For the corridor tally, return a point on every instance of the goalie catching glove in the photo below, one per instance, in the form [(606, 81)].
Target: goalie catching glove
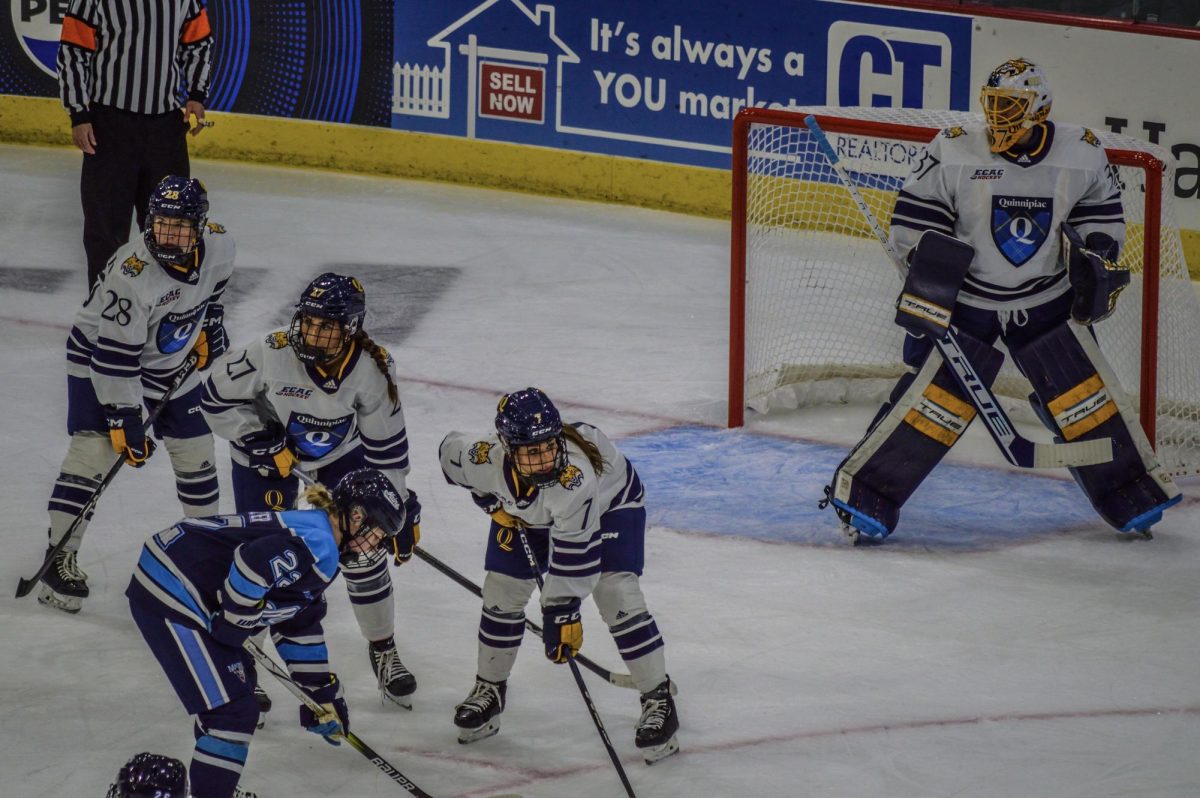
[(1094, 274), (127, 433), (334, 722), (562, 631)]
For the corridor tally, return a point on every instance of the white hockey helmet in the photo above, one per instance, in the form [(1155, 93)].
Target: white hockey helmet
[(1015, 97)]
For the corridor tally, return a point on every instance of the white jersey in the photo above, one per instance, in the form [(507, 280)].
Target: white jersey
[(142, 319), (325, 416), (570, 508), (1010, 207)]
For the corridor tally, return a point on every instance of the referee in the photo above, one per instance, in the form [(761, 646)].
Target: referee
[(122, 65)]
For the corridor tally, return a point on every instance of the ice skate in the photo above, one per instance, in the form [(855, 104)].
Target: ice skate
[(478, 716), (64, 587), (657, 727), (396, 682), (264, 705)]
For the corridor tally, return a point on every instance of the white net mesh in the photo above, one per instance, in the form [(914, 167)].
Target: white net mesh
[(820, 290)]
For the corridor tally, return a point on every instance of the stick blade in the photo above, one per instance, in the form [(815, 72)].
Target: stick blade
[(25, 587), (1072, 455)]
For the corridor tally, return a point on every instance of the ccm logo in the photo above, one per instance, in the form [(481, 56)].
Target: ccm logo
[(887, 67)]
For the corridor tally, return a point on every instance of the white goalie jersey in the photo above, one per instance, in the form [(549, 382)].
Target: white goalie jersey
[(325, 416), (570, 509), (141, 320), (1010, 208)]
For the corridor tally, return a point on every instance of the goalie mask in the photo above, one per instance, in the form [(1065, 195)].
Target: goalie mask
[(1015, 98), (175, 216), (369, 499), (329, 314), (531, 432), (150, 776)]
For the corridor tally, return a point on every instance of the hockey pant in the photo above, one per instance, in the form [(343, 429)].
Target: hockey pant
[(622, 606), (1078, 397), (925, 416), (90, 456), (215, 684)]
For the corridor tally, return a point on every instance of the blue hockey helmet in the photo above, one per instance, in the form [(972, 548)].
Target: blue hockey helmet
[(333, 297), (526, 418), (175, 218), (380, 502), (149, 775)]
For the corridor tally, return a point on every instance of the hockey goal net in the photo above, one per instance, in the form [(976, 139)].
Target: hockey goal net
[(812, 291)]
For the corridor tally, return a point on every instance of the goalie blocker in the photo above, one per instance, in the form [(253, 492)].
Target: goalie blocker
[(1076, 395)]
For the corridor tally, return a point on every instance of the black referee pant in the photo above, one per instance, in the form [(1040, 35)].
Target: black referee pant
[(133, 153)]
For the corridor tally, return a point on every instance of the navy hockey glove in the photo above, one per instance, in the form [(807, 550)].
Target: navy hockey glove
[(268, 452), (410, 534), (492, 505), (212, 342), (334, 722), (562, 631), (127, 433)]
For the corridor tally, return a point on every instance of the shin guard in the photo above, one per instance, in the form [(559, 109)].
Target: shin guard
[(1077, 390), (924, 417)]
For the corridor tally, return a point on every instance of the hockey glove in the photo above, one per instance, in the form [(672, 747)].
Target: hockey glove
[(410, 534), (127, 434), (562, 631), (334, 722), (213, 341), (492, 505), (268, 453)]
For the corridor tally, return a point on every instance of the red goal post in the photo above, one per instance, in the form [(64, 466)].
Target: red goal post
[(800, 252)]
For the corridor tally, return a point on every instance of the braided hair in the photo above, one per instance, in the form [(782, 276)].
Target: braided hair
[(379, 355)]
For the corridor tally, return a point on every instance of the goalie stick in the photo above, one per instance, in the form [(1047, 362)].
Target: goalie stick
[(587, 697), (24, 586), (1017, 449)]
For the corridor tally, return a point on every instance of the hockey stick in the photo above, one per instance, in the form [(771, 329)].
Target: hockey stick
[(1017, 449), (587, 697), (618, 679), (24, 586), (295, 689)]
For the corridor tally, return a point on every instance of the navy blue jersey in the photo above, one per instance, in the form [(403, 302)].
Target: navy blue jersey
[(232, 575)]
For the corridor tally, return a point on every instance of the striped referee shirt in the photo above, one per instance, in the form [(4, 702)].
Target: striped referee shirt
[(135, 55)]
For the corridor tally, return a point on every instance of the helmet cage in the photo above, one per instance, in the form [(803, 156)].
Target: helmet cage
[(528, 418), (334, 297), (1014, 99), (367, 492), (177, 208), (319, 352)]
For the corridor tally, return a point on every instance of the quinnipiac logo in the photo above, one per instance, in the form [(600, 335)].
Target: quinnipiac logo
[(38, 25)]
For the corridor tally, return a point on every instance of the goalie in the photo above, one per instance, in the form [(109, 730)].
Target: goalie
[(1011, 231)]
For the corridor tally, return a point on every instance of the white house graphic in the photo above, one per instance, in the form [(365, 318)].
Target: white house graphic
[(506, 78)]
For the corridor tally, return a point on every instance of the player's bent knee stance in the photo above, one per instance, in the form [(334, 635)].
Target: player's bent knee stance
[(1079, 398), (924, 417)]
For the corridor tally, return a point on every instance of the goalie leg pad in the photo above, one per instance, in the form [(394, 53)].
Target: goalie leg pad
[(1077, 391), (926, 415), (938, 265)]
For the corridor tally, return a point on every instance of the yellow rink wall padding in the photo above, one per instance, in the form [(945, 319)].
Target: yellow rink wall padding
[(382, 151)]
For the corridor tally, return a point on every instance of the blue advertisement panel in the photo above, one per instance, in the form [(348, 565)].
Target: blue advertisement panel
[(660, 80)]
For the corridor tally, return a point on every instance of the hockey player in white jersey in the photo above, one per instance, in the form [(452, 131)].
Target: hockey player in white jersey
[(582, 507), (1011, 231), (321, 396), (157, 302)]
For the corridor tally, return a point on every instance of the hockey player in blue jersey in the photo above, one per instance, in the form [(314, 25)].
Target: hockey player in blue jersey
[(1011, 231), (204, 585), (157, 302), (582, 506), (321, 395), (149, 775)]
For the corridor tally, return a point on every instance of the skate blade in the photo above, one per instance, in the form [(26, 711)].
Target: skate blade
[(262, 720), (660, 752), (402, 701), (68, 604), (483, 732)]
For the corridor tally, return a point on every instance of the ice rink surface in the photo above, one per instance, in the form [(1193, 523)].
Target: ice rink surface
[(1003, 643)]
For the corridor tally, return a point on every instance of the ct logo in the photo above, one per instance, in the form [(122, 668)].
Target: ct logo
[(38, 25), (888, 67)]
